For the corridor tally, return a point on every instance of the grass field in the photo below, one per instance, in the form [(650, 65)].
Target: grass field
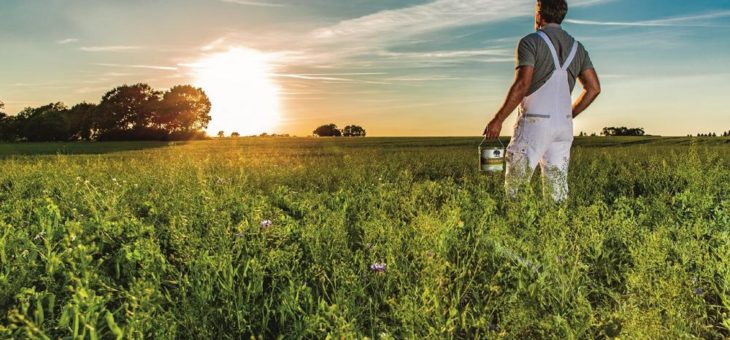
[(158, 240)]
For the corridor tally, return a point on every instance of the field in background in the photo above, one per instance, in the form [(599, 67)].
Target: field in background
[(166, 240)]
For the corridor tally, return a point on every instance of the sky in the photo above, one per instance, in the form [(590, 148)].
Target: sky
[(395, 67)]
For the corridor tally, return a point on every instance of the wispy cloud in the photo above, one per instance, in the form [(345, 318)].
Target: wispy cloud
[(67, 41), (306, 77), (109, 48), (432, 16), (700, 20), (254, 3), (450, 54), (376, 35), (148, 67), (87, 90)]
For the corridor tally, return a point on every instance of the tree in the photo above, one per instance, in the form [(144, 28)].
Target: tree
[(80, 120), (7, 130), (126, 108), (623, 131), (46, 123), (329, 130), (235, 135), (183, 108), (221, 134), (354, 131)]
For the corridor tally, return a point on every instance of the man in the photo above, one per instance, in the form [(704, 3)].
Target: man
[(548, 63)]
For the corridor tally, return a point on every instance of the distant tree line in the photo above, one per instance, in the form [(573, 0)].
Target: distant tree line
[(623, 131), (222, 134), (331, 130), (712, 134), (128, 112)]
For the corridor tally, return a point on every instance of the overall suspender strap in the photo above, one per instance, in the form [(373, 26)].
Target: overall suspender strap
[(573, 52), (556, 60)]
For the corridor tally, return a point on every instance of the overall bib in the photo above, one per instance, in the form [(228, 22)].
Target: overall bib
[(544, 133)]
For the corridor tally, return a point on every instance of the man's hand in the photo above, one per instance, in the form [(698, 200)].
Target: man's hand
[(494, 128)]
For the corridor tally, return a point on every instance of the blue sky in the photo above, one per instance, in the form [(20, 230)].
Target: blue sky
[(438, 67)]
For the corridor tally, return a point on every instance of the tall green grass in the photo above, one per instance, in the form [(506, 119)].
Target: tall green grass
[(168, 243)]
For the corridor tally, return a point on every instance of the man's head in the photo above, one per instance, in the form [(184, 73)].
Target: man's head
[(550, 12)]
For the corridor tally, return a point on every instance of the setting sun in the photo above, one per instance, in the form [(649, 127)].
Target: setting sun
[(244, 97)]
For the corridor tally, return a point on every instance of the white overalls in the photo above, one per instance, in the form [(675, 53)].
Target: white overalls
[(544, 133)]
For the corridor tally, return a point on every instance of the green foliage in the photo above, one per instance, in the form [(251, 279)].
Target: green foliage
[(622, 131), (184, 108), (128, 112), (168, 242), (45, 123), (329, 130), (354, 131)]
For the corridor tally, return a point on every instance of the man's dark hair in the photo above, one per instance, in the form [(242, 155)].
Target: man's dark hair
[(553, 11)]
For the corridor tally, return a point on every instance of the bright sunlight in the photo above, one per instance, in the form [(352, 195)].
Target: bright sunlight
[(244, 98)]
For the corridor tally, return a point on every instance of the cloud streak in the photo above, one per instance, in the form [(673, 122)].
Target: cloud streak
[(685, 21), (433, 16), (253, 3), (67, 41), (109, 48), (147, 67)]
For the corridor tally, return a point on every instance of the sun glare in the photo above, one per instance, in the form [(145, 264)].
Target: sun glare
[(244, 97)]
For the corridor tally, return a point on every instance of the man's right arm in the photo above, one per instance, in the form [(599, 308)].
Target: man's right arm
[(591, 90)]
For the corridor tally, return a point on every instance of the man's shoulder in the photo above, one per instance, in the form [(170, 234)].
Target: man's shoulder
[(530, 38), (530, 41)]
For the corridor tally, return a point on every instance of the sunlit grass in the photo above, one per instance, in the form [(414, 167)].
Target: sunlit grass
[(377, 238)]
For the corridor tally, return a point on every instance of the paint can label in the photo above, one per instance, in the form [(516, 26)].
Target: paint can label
[(491, 159)]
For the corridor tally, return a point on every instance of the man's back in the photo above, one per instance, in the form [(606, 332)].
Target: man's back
[(548, 64), (533, 51)]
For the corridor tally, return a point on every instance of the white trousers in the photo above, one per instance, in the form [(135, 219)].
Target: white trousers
[(543, 141)]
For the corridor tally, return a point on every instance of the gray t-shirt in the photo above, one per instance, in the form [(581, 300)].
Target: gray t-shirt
[(534, 51)]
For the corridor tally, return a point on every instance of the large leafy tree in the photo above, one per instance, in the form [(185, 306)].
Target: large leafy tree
[(80, 119), (623, 131), (45, 123), (183, 108), (354, 131), (329, 130), (127, 107)]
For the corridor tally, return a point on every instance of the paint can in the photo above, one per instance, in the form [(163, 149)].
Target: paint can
[(492, 157)]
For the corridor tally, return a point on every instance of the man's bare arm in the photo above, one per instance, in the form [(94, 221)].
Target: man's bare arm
[(518, 91), (591, 90)]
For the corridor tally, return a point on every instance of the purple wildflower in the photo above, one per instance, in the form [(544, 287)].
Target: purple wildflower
[(378, 267), (699, 291)]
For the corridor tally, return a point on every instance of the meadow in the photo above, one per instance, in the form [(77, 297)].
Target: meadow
[(380, 238)]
